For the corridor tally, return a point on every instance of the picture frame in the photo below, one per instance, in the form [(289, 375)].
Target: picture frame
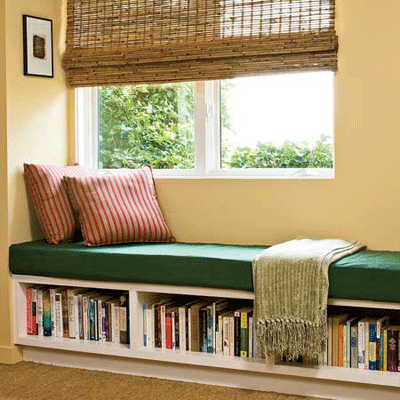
[(38, 46)]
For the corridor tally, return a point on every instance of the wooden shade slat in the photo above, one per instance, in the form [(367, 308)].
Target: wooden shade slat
[(147, 41)]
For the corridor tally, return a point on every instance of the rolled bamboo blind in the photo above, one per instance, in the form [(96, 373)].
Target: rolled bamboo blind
[(116, 42)]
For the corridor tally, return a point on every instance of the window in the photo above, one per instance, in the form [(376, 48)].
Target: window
[(277, 125)]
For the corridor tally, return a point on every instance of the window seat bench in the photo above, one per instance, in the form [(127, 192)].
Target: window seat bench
[(366, 275), (152, 272)]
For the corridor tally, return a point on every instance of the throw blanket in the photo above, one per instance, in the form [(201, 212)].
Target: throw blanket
[(291, 294)]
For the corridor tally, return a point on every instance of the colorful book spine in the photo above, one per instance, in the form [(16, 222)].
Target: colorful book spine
[(173, 330), (250, 337), (39, 312), (361, 348), (177, 329), (354, 346), (366, 344), (163, 327), (244, 334), (58, 314), (64, 301), (145, 343), (150, 329), (76, 317), (115, 322), (29, 323), (85, 306), (71, 314), (372, 345), (232, 336), (182, 328), (392, 349), (46, 313), (340, 346), (53, 311), (203, 330), (123, 320), (168, 329), (92, 330), (210, 329), (237, 333), (225, 334), (34, 308), (385, 353)]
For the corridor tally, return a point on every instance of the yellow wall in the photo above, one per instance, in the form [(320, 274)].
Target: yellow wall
[(363, 201), (38, 119)]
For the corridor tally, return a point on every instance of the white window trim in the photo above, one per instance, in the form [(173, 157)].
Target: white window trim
[(207, 141)]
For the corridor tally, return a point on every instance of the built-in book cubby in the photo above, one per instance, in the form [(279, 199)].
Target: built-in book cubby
[(142, 301)]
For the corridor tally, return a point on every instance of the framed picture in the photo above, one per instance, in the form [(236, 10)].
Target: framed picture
[(38, 46)]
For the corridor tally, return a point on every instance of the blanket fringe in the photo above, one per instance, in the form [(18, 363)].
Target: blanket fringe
[(286, 337)]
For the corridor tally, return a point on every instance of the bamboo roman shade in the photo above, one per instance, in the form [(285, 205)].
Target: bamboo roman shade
[(111, 42)]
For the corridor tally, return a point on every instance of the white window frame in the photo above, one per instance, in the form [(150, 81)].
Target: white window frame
[(207, 141)]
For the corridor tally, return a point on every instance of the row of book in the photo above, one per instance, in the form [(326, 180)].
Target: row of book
[(365, 343), (77, 313), (217, 327)]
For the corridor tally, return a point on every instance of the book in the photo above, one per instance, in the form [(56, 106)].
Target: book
[(337, 339), (244, 331), (354, 344), (195, 324), (232, 343), (182, 327), (145, 334), (203, 330), (372, 345), (380, 324), (150, 328), (366, 343), (168, 328), (173, 339), (251, 337), (236, 316), (226, 345), (53, 292), (349, 324), (361, 344), (210, 323), (92, 310), (64, 307), (123, 319), (39, 312), (115, 321), (176, 327), (58, 325), (34, 305), (219, 307), (341, 352), (392, 348), (29, 324), (71, 312), (46, 313), (385, 353)]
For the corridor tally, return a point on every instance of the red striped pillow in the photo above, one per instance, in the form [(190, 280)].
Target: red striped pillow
[(50, 200), (118, 208)]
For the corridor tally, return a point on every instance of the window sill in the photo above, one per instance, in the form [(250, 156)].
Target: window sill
[(284, 174)]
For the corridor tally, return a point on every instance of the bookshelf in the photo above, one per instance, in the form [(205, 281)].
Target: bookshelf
[(323, 381)]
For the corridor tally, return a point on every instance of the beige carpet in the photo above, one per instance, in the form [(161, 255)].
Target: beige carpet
[(37, 381)]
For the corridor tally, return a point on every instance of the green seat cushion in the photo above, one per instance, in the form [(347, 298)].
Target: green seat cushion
[(205, 265), (366, 275)]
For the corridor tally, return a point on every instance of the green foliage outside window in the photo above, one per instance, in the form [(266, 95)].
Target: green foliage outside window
[(155, 125)]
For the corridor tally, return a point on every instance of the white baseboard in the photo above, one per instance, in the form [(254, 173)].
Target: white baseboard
[(10, 354), (213, 376)]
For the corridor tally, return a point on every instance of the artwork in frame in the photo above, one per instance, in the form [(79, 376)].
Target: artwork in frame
[(38, 46)]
